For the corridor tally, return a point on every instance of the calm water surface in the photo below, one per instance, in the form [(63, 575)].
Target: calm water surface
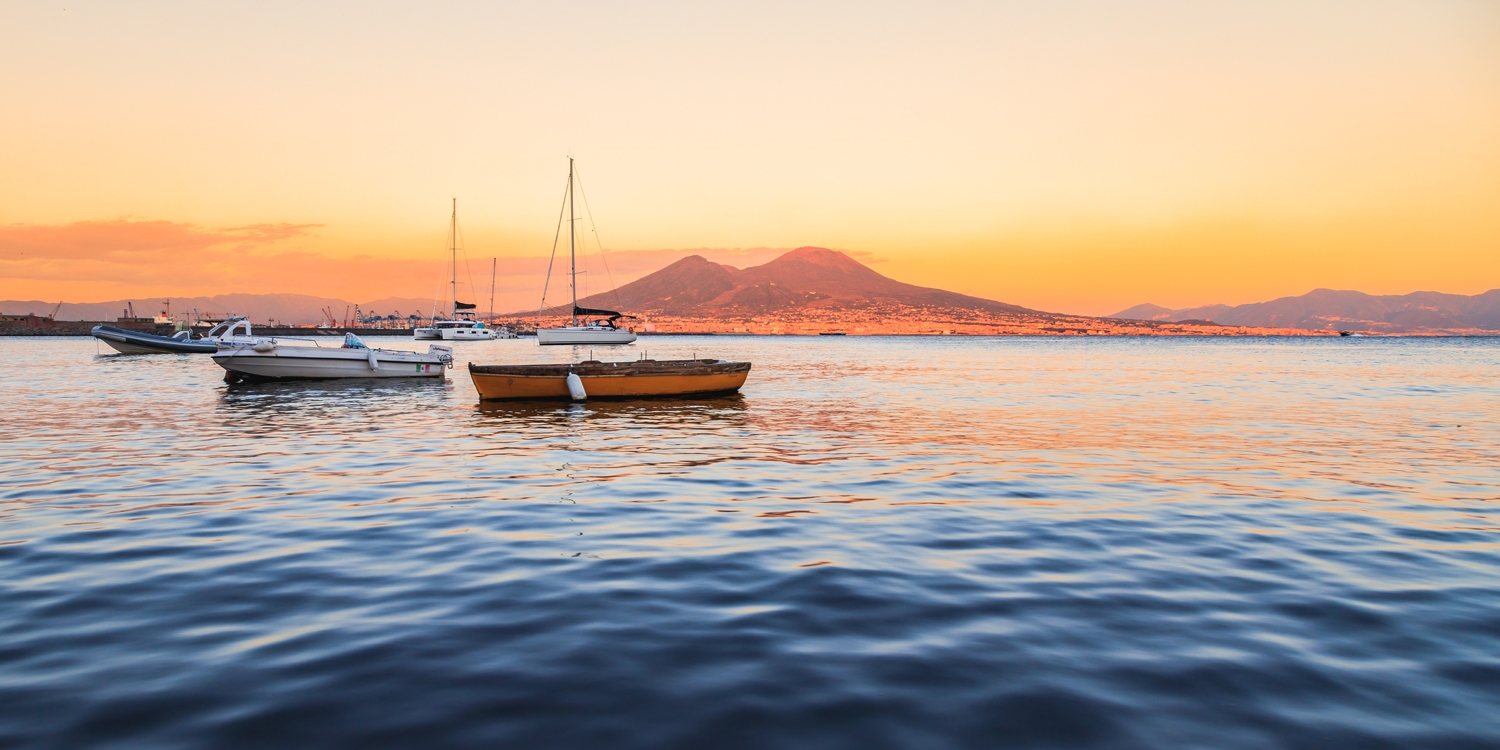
[(884, 542)]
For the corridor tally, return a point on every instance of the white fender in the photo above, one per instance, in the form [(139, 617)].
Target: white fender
[(264, 346), (371, 359), (575, 387)]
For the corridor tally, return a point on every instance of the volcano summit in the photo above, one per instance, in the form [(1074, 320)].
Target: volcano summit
[(808, 278)]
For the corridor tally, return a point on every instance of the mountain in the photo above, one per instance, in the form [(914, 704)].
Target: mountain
[(1157, 312), (292, 309), (1146, 311), (1330, 309), (806, 278)]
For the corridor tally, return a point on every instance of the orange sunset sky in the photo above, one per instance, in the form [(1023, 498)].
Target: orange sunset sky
[(1070, 156)]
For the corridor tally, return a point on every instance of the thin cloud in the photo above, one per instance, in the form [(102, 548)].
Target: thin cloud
[(133, 242), (265, 234), (131, 257)]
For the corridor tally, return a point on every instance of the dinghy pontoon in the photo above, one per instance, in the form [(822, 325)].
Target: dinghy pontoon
[(127, 341)]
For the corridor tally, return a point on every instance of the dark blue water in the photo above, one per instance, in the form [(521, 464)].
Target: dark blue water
[(884, 542)]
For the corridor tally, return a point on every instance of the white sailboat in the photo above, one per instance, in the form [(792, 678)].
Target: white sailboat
[(600, 330), (461, 326)]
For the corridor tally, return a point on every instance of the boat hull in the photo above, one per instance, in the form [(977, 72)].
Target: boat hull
[(456, 334), (135, 342), (308, 363), (583, 335), (644, 379)]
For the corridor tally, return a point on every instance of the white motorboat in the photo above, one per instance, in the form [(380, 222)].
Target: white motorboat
[(461, 329), (270, 359), (462, 326), (596, 332)]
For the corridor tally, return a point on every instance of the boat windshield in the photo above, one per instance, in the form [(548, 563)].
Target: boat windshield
[(353, 342), (227, 328)]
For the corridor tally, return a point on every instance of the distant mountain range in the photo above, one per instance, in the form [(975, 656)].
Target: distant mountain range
[(290, 309), (1330, 309), (818, 281), (812, 278)]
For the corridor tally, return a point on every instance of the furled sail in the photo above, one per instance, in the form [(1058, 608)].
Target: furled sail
[(611, 314), (463, 305)]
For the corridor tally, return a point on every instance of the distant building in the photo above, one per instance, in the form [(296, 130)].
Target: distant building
[(29, 320)]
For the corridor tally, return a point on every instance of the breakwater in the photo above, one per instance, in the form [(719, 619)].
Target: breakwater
[(288, 331), (83, 327)]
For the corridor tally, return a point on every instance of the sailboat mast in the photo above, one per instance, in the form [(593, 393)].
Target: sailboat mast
[(453, 247), (493, 263), (572, 253)]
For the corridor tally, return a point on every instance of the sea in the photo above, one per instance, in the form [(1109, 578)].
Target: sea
[(882, 542)]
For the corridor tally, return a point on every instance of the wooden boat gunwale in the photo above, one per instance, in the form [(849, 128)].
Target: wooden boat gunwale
[(606, 380)]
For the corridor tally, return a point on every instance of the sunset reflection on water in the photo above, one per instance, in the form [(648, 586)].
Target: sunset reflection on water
[(950, 541)]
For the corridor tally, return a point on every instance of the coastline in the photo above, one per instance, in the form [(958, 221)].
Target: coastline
[(70, 331), (855, 323)]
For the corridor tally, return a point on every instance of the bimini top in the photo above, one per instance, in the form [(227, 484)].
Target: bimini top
[(613, 315)]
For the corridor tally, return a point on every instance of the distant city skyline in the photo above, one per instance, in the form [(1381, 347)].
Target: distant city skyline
[(1074, 157), (815, 290)]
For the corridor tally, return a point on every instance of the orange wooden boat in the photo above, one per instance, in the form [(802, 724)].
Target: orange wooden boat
[(643, 378)]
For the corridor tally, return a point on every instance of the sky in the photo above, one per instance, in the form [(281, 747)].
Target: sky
[(1076, 157)]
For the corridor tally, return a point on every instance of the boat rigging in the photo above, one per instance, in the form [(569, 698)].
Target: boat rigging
[(461, 326), (599, 331)]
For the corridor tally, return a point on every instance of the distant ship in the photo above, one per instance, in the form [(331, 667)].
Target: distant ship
[(601, 330)]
